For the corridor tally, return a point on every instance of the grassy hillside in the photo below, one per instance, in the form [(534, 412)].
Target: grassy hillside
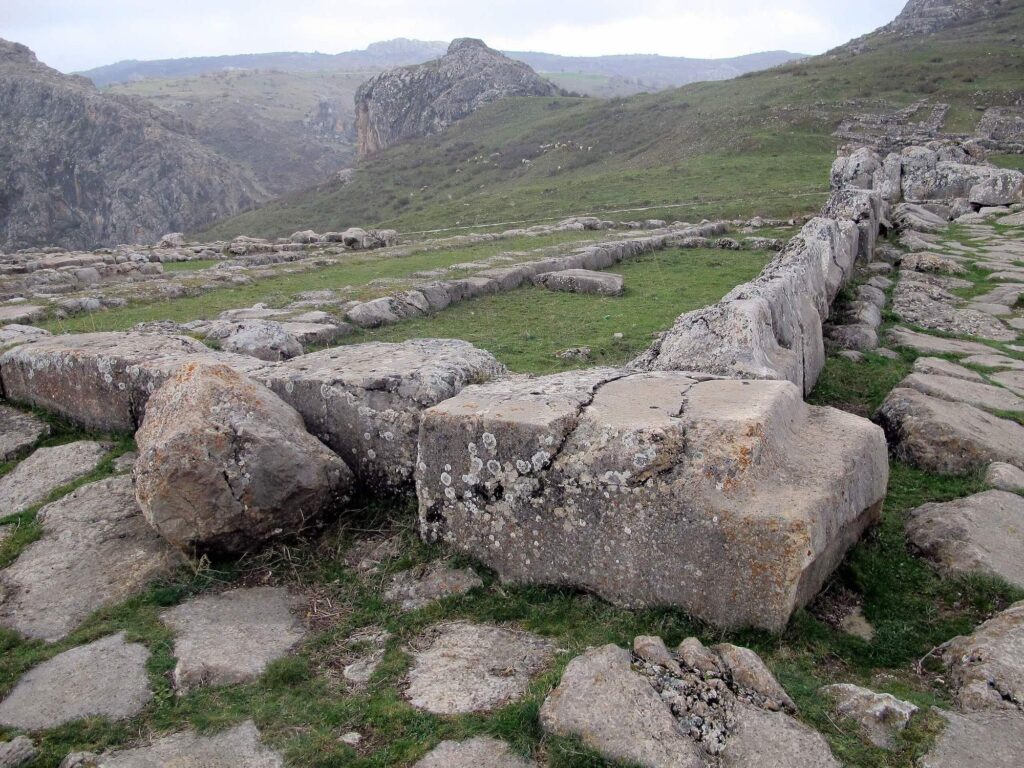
[(761, 143)]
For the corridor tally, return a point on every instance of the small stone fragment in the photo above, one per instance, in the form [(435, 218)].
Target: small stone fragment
[(878, 714), (750, 672), (652, 650), (695, 655), (423, 585)]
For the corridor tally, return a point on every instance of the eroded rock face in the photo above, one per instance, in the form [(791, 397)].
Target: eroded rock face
[(987, 666), (106, 678), (462, 667), (365, 400), (96, 550), (224, 464), (922, 16), (652, 489), (420, 100)]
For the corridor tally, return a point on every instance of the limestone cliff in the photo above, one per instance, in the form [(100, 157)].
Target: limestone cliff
[(80, 169), (409, 102), (924, 16)]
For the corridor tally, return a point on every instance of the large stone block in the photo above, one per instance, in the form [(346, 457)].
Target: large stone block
[(365, 400), (101, 380), (731, 499)]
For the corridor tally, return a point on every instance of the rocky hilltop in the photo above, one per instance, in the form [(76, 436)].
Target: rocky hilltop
[(421, 100), (79, 168), (924, 16)]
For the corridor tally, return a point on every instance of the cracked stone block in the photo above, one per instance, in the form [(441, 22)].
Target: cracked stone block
[(101, 380), (478, 752), (462, 667), (583, 281), (45, 471), (96, 550), (19, 431), (365, 400), (418, 587), (106, 678), (237, 747), (987, 666), (231, 637), (990, 739), (983, 533), (731, 499), (879, 715), (946, 437)]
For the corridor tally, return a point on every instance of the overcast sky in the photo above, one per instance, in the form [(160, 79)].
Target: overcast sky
[(80, 34)]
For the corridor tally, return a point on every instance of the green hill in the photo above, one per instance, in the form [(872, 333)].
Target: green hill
[(759, 144)]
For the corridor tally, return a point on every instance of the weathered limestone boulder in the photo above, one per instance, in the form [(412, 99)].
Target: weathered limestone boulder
[(879, 715), (991, 739), (262, 339), (101, 380), (946, 437), (582, 281), (983, 533), (652, 489), (987, 666), (426, 584), (1005, 477), (106, 678), (999, 189), (230, 638), (365, 400), (19, 431), (237, 747), (478, 752), (47, 470), (461, 667), (224, 464), (917, 219), (96, 550)]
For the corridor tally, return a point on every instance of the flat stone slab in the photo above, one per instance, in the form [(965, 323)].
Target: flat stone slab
[(106, 678), (421, 586), (987, 666), (238, 747), (652, 489), (96, 550), (1005, 477), (583, 281), (932, 345), (945, 437), (22, 314), (1012, 380), (45, 471), (959, 390), (461, 667), (879, 715), (19, 431), (230, 638), (989, 739), (922, 303), (983, 533), (936, 366), (479, 752), (365, 400), (995, 361)]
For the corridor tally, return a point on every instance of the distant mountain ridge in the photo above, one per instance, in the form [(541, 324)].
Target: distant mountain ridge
[(654, 71)]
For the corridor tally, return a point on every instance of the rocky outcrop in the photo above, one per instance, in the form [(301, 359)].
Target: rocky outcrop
[(224, 464), (421, 100), (924, 16), (82, 168)]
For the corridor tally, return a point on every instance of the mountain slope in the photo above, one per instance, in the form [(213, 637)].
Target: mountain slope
[(81, 169), (743, 146)]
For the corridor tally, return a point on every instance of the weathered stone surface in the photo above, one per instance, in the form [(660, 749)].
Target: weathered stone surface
[(922, 261), (19, 431), (774, 740), (106, 678), (421, 586), (856, 337), (945, 437), (1004, 477), (13, 333), (652, 489), (987, 666), (478, 752), (930, 306), (262, 339), (45, 471), (959, 390), (365, 400), (231, 637), (991, 739), (17, 752), (983, 533), (583, 281), (879, 715), (1012, 380), (101, 380), (96, 550), (931, 345), (748, 671), (224, 464), (462, 667), (238, 747), (601, 701), (936, 366)]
